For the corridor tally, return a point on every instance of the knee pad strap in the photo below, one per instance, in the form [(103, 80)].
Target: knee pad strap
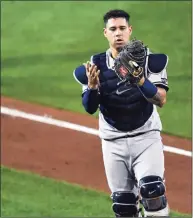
[(154, 204)]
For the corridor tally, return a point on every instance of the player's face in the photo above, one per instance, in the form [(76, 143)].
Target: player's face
[(117, 32)]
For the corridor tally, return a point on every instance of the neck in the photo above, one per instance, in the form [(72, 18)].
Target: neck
[(114, 52)]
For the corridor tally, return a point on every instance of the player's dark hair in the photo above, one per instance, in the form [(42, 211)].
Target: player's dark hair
[(116, 14)]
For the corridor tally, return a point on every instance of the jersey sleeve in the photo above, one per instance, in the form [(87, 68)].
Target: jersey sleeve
[(90, 97), (160, 79), (84, 88), (157, 69)]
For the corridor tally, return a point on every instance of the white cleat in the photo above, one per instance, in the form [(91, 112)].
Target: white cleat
[(164, 212)]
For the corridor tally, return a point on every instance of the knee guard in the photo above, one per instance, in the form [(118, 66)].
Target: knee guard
[(125, 204), (152, 192)]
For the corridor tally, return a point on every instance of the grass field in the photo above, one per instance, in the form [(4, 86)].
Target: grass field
[(21, 197), (42, 43)]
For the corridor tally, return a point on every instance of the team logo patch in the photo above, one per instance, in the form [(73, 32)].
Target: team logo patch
[(123, 71), (164, 80)]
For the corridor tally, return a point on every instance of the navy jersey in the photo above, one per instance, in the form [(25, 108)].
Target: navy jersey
[(121, 105)]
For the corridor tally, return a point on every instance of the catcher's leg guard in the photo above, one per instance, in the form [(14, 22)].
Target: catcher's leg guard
[(152, 192), (125, 204)]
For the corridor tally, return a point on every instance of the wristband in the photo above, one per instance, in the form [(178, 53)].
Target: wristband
[(92, 88), (148, 89)]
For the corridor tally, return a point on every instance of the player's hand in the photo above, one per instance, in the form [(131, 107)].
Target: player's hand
[(93, 75)]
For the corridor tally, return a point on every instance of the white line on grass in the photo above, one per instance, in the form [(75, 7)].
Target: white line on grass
[(64, 124)]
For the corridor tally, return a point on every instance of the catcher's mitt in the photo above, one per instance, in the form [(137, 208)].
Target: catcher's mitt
[(129, 64)]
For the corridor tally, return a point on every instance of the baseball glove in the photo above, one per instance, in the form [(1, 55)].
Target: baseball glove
[(130, 62)]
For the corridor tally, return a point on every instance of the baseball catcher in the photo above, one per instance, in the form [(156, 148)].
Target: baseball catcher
[(125, 83)]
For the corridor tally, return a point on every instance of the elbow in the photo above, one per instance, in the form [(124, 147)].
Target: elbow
[(89, 110), (162, 103)]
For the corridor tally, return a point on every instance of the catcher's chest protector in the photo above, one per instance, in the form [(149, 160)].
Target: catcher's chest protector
[(123, 106)]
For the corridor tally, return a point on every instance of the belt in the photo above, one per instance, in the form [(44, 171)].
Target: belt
[(131, 136)]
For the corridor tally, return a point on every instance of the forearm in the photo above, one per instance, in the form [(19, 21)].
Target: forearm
[(90, 100), (153, 94), (157, 99)]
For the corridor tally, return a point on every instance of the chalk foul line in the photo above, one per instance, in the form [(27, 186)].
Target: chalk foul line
[(72, 126)]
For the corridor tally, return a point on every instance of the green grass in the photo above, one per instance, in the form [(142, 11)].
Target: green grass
[(42, 43), (25, 194)]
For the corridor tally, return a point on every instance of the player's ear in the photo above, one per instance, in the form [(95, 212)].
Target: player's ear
[(105, 32), (130, 30)]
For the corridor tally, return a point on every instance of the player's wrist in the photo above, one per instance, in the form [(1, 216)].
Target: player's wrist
[(92, 86), (148, 89), (141, 81)]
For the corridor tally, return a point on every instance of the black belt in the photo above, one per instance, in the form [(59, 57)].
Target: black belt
[(131, 136)]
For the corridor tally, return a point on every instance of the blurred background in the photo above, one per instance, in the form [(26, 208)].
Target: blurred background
[(42, 42)]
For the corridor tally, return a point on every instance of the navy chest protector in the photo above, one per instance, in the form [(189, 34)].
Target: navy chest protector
[(123, 106)]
